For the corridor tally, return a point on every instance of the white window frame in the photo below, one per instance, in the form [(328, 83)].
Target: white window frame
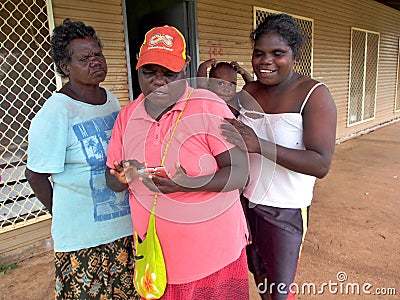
[(349, 124)]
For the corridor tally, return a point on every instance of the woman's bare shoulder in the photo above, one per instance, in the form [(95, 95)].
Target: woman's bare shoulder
[(306, 82)]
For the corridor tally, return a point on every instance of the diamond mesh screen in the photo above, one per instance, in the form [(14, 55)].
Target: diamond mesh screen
[(27, 79), (363, 76), (357, 76), (371, 75), (304, 63)]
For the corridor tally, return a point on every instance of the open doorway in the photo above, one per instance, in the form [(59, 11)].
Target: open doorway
[(142, 15)]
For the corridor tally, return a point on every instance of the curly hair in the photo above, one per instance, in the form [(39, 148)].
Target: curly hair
[(63, 35), (221, 65), (284, 25)]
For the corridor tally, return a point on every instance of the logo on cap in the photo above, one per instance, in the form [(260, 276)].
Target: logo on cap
[(161, 38)]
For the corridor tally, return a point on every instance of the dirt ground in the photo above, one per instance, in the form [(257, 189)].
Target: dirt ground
[(352, 246)]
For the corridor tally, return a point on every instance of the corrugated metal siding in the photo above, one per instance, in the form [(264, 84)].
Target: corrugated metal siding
[(23, 242), (106, 18), (224, 32), (229, 23)]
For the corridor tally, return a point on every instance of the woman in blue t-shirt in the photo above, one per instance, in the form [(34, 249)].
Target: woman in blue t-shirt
[(68, 140)]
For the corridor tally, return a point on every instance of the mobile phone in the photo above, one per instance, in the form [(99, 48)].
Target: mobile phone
[(156, 171)]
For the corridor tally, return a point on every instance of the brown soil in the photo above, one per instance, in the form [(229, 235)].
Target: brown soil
[(354, 229)]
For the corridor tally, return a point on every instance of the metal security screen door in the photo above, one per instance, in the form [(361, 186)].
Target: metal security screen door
[(363, 75), (304, 63), (27, 80)]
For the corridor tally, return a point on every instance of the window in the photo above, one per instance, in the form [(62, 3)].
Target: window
[(363, 76)]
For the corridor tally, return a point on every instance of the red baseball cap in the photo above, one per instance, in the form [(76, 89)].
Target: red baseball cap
[(164, 46)]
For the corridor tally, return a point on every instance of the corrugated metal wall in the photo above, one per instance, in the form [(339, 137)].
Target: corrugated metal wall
[(224, 30), (107, 19)]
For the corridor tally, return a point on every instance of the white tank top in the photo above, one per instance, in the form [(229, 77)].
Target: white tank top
[(271, 184)]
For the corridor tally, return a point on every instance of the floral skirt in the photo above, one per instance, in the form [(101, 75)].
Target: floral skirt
[(229, 283), (102, 272)]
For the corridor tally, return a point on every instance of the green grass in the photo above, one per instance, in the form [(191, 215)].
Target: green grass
[(5, 268)]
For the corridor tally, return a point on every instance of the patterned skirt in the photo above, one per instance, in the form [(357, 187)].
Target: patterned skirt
[(229, 283), (102, 272)]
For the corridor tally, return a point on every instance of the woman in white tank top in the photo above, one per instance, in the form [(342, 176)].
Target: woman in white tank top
[(287, 124)]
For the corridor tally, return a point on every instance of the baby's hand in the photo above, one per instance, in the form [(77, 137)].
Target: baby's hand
[(210, 62), (237, 67)]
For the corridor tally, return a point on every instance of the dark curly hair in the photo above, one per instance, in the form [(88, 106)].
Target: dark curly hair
[(284, 25), (63, 35), (221, 65)]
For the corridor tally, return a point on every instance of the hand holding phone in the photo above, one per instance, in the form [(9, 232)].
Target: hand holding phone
[(155, 171)]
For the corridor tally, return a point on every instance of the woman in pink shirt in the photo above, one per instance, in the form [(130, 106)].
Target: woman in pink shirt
[(199, 218)]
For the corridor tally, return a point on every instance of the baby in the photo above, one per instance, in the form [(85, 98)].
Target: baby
[(223, 80)]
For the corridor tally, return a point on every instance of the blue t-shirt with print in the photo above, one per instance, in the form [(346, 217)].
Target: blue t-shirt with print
[(68, 139)]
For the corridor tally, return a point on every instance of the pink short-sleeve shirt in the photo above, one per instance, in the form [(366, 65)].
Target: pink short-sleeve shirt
[(200, 232)]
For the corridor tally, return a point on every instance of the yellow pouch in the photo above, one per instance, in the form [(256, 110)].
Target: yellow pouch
[(150, 275)]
